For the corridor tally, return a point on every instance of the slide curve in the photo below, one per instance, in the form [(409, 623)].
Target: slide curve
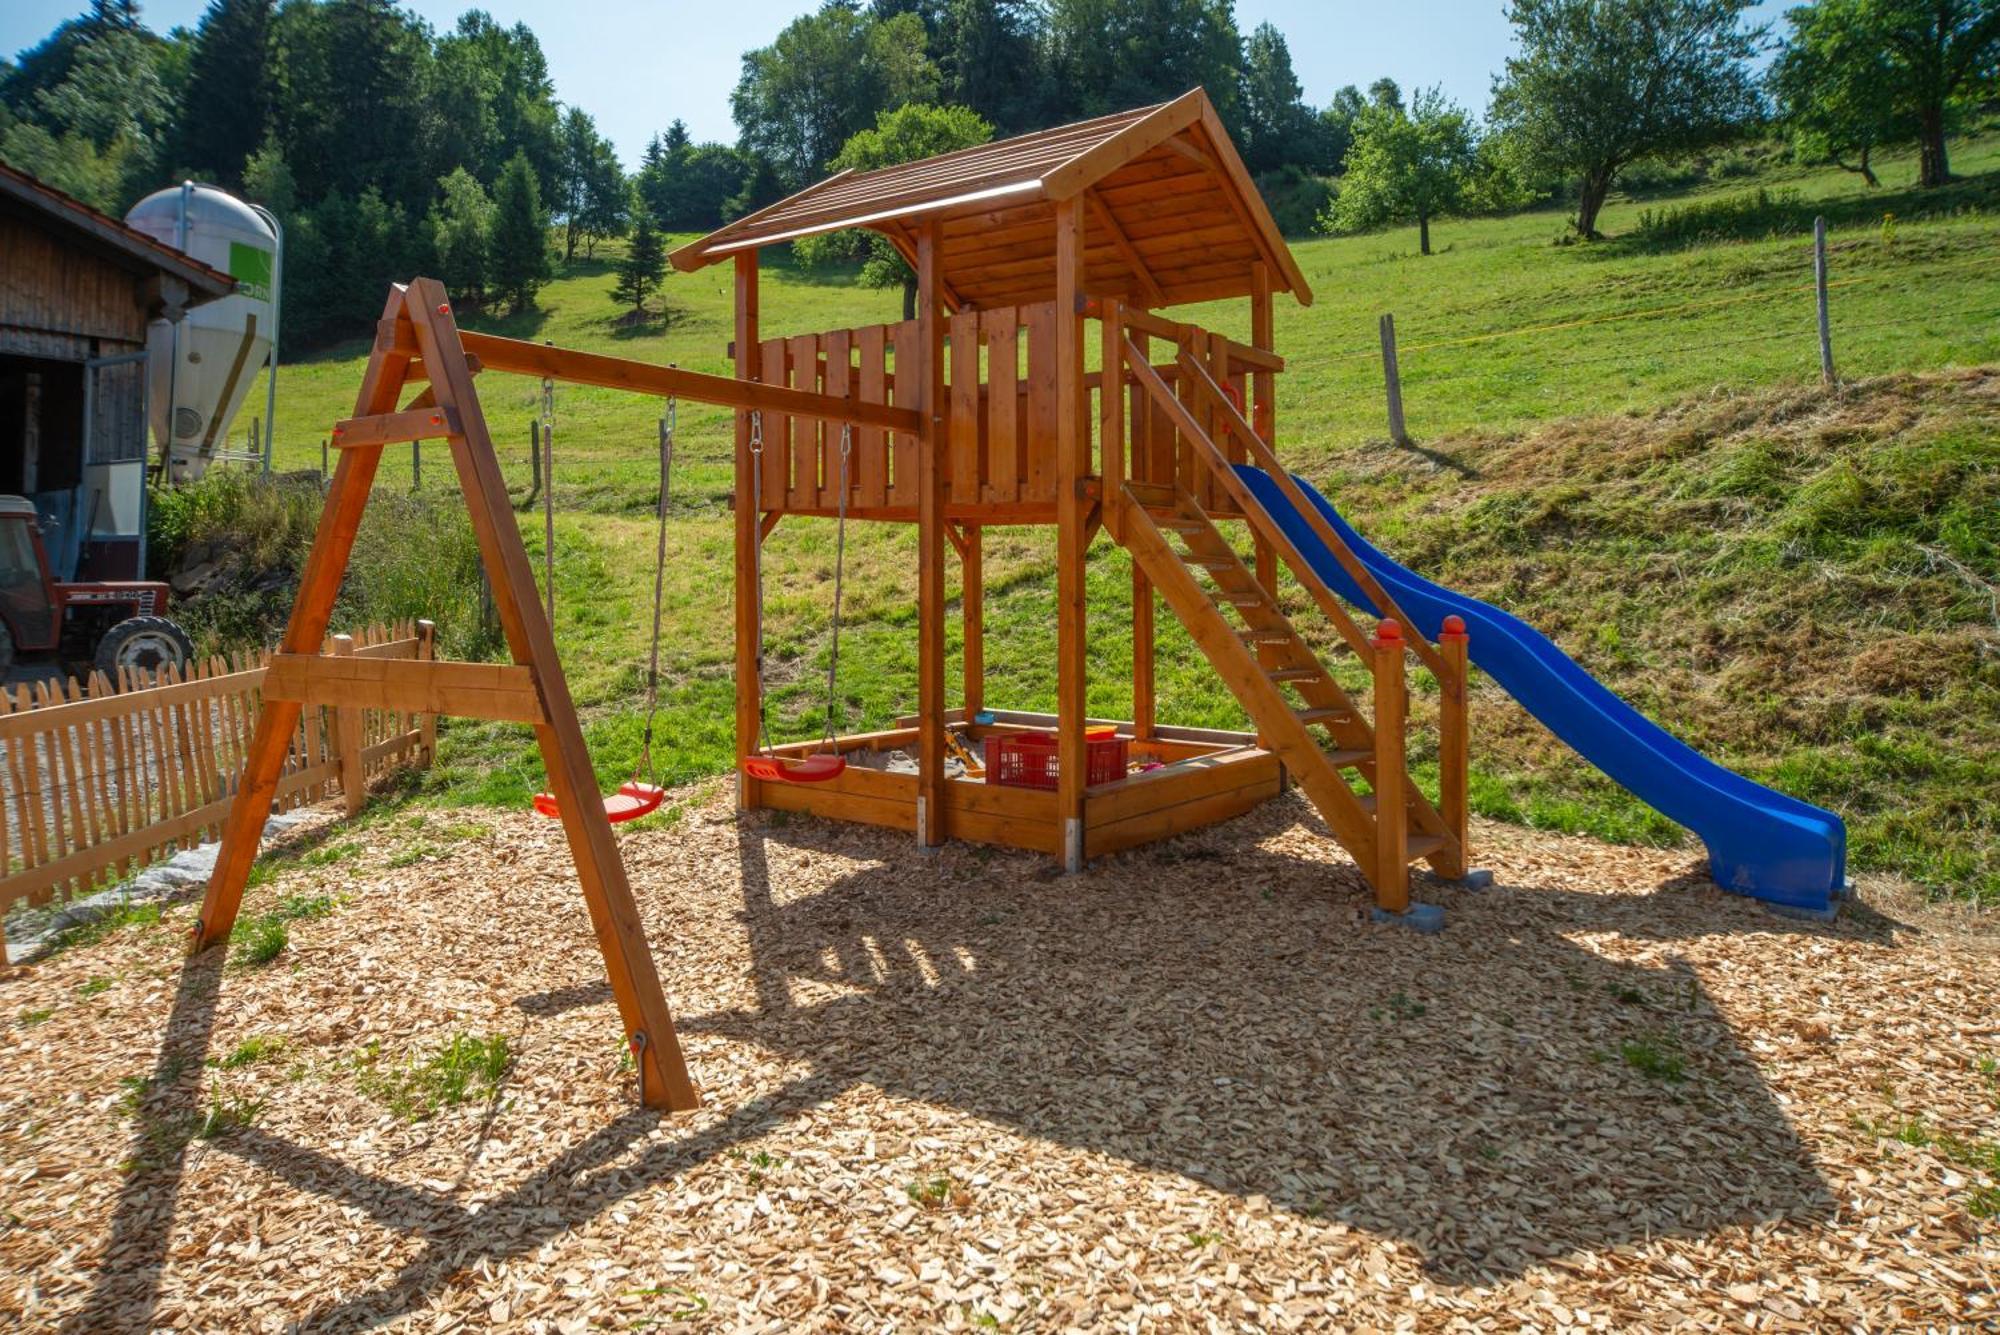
[(1760, 842)]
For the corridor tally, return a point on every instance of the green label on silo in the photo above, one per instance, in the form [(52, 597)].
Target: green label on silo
[(252, 268)]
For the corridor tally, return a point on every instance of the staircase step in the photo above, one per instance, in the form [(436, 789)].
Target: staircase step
[(1172, 521), (1266, 636), (1349, 759), (1249, 598), (1207, 562), (1323, 714), (1423, 845), (1295, 674)]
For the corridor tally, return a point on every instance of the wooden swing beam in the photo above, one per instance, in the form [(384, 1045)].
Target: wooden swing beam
[(569, 366), (417, 323)]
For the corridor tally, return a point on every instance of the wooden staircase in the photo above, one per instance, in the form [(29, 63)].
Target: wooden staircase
[(1282, 684)]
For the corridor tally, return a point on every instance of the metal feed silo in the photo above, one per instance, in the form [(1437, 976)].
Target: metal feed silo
[(200, 370)]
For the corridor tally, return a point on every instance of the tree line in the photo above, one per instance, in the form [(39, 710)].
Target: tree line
[(1599, 87), (387, 146)]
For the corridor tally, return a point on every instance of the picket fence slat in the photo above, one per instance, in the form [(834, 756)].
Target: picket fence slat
[(99, 778)]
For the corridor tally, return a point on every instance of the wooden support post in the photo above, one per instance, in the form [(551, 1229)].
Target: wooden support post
[(347, 743), (1819, 287), (1262, 409), (1455, 743), (1392, 816), (1146, 466), (972, 602), (930, 538), (1111, 416), (427, 727), (1392, 381), (748, 700), (1072, 469)]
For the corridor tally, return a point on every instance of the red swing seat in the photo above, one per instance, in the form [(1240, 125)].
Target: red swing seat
[(808, 769), (632, 800)]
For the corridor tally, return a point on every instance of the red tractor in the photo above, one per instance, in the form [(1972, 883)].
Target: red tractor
[(108, 625)]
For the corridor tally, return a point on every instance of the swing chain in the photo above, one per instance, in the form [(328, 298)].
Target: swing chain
[(757, 565), (839, 580), (667, 427)]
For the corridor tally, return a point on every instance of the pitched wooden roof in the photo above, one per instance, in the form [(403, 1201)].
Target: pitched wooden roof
[(1171, 213), (126, 246)]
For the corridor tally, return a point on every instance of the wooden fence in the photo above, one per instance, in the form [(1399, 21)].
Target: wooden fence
[(98, 779)]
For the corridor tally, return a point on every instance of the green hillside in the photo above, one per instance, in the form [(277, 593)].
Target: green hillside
[(1624, 442)]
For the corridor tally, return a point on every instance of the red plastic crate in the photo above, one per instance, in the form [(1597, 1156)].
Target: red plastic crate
[(1028, 759)]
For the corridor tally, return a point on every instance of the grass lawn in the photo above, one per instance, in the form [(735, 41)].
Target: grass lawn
[(1615, 440)]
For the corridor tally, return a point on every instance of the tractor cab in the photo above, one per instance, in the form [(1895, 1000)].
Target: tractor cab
[(106, 625)]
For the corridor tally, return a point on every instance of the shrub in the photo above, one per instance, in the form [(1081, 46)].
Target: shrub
[(1748, 217)]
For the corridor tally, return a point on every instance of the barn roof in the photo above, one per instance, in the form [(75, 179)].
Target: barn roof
[(1171, 213), (106, 235)]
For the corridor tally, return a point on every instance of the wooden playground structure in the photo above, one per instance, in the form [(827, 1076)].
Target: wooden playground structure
[(981, 411)]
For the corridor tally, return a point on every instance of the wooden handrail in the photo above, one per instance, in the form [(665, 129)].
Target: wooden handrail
[(1267, 459), (1184, 419), (1258, 359)]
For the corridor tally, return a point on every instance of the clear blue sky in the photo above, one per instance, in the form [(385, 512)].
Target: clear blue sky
[(637, 64)]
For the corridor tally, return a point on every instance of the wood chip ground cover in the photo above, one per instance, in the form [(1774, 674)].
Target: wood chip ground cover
[(1193, 1088)]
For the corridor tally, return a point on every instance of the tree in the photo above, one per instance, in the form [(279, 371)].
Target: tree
[(461, 236), (1407, 166), (989, 58), (1385, 94), (228, 98), (1278, 127), (97, 132), (691, 188), (644, 266), (592, 193), (351, 99), (520, 256), (1860, 73), (1600, 84), (903, 135), (1107, 55), (825, 79), (1336, 128)]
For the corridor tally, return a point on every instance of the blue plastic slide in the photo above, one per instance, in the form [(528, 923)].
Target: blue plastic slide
[(1762, 843)]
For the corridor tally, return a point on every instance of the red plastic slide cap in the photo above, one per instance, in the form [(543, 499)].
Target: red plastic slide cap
[(1388, 630), (1454, 625)]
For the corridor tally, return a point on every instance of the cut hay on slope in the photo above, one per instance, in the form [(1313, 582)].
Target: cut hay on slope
[(1192, 1088)]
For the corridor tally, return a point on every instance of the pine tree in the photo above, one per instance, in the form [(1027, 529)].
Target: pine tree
[(519, 262), (227, 103), (644, 266)]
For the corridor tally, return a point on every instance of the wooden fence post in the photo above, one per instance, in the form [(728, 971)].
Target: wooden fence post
[(1392, 816), (347, 741), (1819, 287), (416, 465), (1455, 742), (1392, 380), (324, 471), (427, 651)]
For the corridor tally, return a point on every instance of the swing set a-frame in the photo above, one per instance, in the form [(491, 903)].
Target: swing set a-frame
[(978, 412)]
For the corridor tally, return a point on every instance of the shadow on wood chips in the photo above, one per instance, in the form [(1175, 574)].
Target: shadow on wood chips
[(1496, 1096)]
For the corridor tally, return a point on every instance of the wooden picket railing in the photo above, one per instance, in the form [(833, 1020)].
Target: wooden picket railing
[(98, 779)]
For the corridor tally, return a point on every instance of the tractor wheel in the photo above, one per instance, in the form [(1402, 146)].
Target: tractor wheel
[(6, 652), (142, 645)]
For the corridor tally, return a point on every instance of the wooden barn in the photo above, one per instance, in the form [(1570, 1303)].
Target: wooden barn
[(78, 290)]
